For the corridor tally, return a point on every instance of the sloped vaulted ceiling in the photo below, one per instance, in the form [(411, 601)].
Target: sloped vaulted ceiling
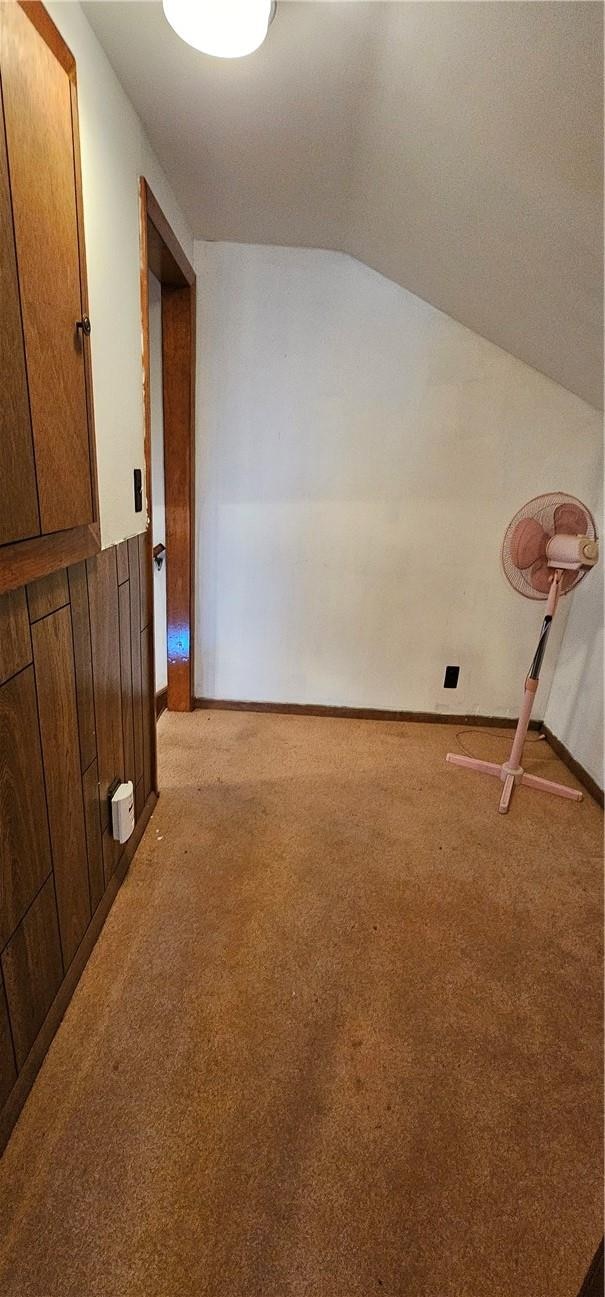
[(455, 147)]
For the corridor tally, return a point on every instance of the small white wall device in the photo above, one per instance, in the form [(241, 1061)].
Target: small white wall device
[(122, 811)]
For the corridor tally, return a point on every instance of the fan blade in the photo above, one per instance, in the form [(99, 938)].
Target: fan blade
[(571, 519), (528, 543), (541, 576)]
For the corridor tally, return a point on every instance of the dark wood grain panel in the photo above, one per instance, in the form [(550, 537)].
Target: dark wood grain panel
[(30, 559), (126, 681), (148, 705), (144, 577), (8, 1070), (39, 134), (105, 634), (55, 681), (25, 859), (139, 799), (18, 495), (80, 620), (178, 370), (135, 644), (27, 1075), (46, 915), (32, 968), (112, 852), (47, 594), (122, 561), (15, 638), (92, 816)]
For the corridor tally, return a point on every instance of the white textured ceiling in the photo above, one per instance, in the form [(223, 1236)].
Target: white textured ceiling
[(455, 147)]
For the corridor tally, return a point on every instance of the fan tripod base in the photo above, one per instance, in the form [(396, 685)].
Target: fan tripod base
[(512, 777), (511, 772)]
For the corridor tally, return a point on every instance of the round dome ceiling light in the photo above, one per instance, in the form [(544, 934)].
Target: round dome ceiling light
[(227, 29)]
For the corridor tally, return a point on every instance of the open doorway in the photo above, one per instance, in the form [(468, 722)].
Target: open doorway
[(168, 330)]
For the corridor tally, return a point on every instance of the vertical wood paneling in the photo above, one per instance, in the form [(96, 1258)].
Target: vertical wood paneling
[(105, 633), (80, 620), (144, 577), (139, 798), (135, 644), (92, 816), (126, 679), (55, 682), (32, 968), (47, 594), (8, 1071), (25, 859), (18, 495), (112, 851), (122, 561), (148, 703), (39, 135), (88, 656), (15, 639)]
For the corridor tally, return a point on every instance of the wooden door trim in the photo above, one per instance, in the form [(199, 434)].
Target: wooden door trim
[(162, 253), (90, 410), (44, 25), (166, 257)]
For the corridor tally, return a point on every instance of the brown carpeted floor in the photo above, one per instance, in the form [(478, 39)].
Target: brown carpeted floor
[(341, 1034)]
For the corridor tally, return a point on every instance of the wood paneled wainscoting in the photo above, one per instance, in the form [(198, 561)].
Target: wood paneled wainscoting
[(77, 710)]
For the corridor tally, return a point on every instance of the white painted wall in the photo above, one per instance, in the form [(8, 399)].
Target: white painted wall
[(359, 457), (575, 705), (158, 516), (115, 152)]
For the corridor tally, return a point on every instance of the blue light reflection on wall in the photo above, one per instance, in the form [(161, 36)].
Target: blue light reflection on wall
[(178, 642)]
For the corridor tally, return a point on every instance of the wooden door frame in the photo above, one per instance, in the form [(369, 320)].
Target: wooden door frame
[(162, 253)]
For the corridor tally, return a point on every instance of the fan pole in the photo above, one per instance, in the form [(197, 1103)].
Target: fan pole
[(512, 769), (511, 772)]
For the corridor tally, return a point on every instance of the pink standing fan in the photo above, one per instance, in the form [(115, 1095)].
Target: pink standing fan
[(548, 548)]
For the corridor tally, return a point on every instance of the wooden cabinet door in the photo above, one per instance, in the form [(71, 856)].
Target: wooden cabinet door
[(18, 496), (38, 97)]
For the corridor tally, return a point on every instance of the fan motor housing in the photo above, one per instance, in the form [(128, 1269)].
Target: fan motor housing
[(571, 551), (552, 531)]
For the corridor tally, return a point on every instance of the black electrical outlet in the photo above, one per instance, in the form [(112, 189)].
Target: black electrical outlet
[(138, 491), (450, 680)]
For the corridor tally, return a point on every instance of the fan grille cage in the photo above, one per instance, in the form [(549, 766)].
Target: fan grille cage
[(542, 509)]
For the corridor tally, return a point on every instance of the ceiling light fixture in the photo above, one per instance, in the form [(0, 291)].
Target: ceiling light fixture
[(227, 29)]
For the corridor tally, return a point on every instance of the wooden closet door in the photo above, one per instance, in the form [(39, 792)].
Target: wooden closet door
[(37, 92), (18, 497)]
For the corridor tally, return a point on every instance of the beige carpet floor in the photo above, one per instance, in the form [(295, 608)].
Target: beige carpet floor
[(340, 1036)]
